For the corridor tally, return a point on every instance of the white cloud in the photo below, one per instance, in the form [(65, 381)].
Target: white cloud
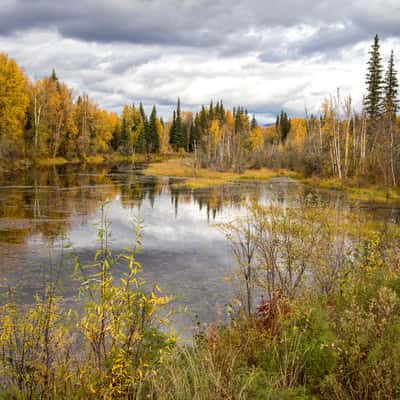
[(290, 64)]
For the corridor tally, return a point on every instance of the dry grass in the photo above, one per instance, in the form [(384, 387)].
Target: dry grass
[(354, 192), (202, 177), (47, 162), (96, 159)]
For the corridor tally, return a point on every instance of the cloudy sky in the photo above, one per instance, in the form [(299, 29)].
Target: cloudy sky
[(262, 54)]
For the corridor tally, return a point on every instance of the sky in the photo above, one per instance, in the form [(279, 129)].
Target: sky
[(265, 55)]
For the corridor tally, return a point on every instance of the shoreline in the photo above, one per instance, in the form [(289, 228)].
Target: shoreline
[(202, 177), (171, 165)]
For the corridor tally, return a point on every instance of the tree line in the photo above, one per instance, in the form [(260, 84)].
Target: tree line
[(45, 119), (340, 141), (345, 143)]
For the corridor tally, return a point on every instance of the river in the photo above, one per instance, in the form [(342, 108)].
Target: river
[(41, 210)]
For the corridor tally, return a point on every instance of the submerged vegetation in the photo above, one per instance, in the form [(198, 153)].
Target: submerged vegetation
[(316, 315)]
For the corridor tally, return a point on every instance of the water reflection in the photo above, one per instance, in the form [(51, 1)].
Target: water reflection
[(183, 251)]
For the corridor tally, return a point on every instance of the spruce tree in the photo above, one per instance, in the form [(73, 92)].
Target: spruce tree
[(211, 110), (184, 137), (283, 125), (54, 76), (180, 139), (217, 111), (141, 110), (203, 119), (222, 110), (124, 136), (253, 122), (172, 132), (373, 99), (142, 141), (153, 141), (391, 86)]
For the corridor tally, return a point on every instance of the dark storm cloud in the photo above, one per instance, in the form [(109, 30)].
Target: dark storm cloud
[(144, 22), (265, 55), (326, 40), (223, 25)]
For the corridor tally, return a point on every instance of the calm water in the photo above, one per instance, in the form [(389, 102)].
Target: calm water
[(183, 250)]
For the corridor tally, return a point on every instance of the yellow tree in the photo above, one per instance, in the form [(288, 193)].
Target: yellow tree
[(163, 135), (298, 131), (52, 114), (35, 113), (132, 129), (67, 129), (227, 135), (256, 139), (13, 103), (84, 119), (105, 124)]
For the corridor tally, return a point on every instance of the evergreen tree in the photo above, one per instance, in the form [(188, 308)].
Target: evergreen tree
[(180, 128), (153, 142), (141, 110), (191, 133), (54, 75), (178, 133), (172, 132), (184, 137), (391, 86), (211, 111), (283, 125), (217, 111), (222, 111), (253, 122), (373, 99), (142, 141), (124, 140), (203, 119)]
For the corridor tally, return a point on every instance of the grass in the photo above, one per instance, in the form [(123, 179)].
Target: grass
[(203, 177), (355, 192), (48, 162), (115, 158), (96, 159), (169, 165), (110, 158)]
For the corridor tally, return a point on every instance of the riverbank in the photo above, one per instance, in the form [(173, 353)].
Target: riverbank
[(113, 158), (169, 165), (203, 177), (355, 191)]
